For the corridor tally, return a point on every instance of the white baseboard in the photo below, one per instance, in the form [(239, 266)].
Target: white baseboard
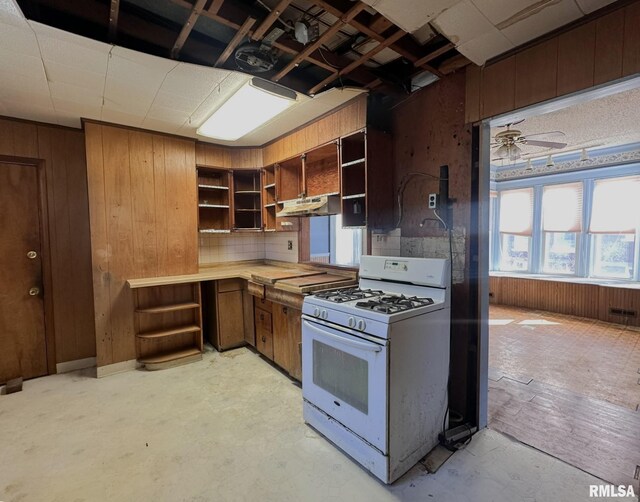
[(121, 367), (78, 364)]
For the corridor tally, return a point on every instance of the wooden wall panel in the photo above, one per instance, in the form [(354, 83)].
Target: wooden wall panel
[(498, 87), (536, 73), (608, 49), (631, 44), (583, 300), (598, 52), (576, 59), (143, 208), (62, 151)]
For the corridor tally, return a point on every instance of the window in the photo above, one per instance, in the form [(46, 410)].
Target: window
[(561, 223), (330, 243), (516, 225), (613, 256)]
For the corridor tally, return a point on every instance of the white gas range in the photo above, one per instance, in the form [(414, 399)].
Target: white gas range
[(375, 362)]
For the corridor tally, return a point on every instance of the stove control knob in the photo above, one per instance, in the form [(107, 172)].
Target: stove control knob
[(316, 312), (351, 322), (361, 325), (324, 314)]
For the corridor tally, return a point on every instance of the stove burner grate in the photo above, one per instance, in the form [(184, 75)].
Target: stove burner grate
[(391, 304), (347, 295)]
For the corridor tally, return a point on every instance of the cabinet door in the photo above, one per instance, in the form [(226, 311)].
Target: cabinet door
[(281, 345), (264, 337), (247, 311), (230, 320), (294, 328)]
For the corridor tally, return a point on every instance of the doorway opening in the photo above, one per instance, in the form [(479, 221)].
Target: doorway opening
[(564, 278)]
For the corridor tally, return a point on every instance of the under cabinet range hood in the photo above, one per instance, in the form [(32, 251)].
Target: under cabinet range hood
[(321, 205)]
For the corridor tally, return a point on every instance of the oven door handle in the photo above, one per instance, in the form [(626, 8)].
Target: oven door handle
[(346, 341)]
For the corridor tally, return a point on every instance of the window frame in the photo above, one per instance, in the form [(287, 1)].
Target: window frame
[(585, 241)]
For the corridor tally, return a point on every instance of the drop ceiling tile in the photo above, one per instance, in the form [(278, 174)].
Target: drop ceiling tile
[(18, 39), (486, 46), (61, 73), (29, 112), (163, 126), (74, 108), (10, 82), (49, 32), (553, 16), (589, 6), (10, 13), (74, 55), (122, 96), (167, 114), (18, 97), (21, 64), (149, 74), (411, 15), (182, 102), (122, 118), (70, 92), (498, 11), (193, 80), (462, 22)]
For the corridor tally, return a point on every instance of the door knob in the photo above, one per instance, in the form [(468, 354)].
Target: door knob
[(34, 291), (32, 255)]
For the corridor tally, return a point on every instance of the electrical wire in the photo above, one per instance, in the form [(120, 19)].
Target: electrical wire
[(403, 184)]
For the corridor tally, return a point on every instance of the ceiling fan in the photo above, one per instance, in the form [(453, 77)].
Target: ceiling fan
[(507, 144)]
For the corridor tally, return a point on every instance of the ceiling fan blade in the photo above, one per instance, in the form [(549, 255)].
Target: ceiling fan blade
[(551, 134), (546, 144)]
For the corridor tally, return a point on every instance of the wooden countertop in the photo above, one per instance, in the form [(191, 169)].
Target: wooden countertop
[(242, 270)]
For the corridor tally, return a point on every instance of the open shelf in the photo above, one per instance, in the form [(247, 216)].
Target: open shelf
[(247, 200), (169, 332), (354, 162), (170, 358), (270, 186), (355, 196), (169, 308), (213, 199), (214, 206), (203, 186), (213, 231)]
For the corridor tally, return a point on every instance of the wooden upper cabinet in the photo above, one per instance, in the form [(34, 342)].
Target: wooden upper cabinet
[(576, 59), (608, 47), (536, 73), (631, 44), (321, 170), (498, 87)]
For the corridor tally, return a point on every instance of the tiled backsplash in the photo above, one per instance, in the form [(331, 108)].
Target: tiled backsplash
[(220, 248), (393, 244), (276, 246)]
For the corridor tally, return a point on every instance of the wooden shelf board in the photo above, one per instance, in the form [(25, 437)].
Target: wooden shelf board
[(247, 192), (213, 187), (166, 359), (214, 206), (354, 162), (273, 204), (270, 185), (169, 332), (355, 196), (169, 308), (214, 231), (248, 210)]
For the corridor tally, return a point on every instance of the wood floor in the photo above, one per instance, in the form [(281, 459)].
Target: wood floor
[(569, 387)]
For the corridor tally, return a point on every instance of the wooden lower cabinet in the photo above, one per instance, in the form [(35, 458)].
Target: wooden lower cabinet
[(249, 324), (225, 313), (264, 332), (287, 339)]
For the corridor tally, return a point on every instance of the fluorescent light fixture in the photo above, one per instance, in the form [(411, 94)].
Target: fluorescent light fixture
[(254, 104)]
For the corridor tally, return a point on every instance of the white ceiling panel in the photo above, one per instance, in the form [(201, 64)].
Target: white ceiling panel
[(485, 46), (19, 40), (498, 11), (588, 6), (179, 102), (79, 94), (22, 65), (57, 73), (553, 16), (411, 15), (10, 13), (463, 22), (199, 80)]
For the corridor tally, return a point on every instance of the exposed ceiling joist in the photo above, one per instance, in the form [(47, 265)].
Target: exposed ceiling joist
[(330, 32), (432, 55), (270, 19), (361, 60), (215, 6), (237, 38), (114, 11), (188, 26)]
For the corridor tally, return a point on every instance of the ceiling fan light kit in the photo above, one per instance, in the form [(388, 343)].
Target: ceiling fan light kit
[(508, 142), (550, 162)]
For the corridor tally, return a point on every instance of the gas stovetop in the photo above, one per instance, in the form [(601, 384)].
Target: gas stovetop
[(390, 304), (347, 295)]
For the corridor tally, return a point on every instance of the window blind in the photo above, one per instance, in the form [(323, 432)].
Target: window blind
[(562, 208), (516, 211), (616, 206)]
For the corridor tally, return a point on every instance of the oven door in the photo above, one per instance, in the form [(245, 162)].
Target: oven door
[(344, 373)]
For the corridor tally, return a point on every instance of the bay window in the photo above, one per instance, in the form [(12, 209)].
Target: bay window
[(561, 224), (516, 218)]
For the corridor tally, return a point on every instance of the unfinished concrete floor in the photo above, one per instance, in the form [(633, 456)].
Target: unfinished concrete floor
[(227, 428)]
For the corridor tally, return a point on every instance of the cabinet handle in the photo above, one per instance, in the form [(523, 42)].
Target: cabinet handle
[(264, 340), (284, 310)]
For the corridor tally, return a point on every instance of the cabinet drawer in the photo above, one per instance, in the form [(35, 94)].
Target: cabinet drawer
[(229, 285), (263, 320), (264, 342), (255, 289), (264, 304)]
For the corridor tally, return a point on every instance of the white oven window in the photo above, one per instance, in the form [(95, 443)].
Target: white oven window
[(342, 375)]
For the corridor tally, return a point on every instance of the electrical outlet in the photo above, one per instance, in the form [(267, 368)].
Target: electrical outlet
[(433, 200), (289, 245)]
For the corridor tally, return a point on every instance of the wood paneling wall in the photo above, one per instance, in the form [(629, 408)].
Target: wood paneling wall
[(63, 152), (228, 157), (602, 50), (583, 300), (143, 209), (429, 131)]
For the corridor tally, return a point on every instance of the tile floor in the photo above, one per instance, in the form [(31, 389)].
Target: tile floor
[(228, 428), (568, 386)]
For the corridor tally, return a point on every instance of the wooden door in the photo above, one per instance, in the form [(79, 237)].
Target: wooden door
[(23, 350), (281, 355), (294, 329), (230, 320)]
